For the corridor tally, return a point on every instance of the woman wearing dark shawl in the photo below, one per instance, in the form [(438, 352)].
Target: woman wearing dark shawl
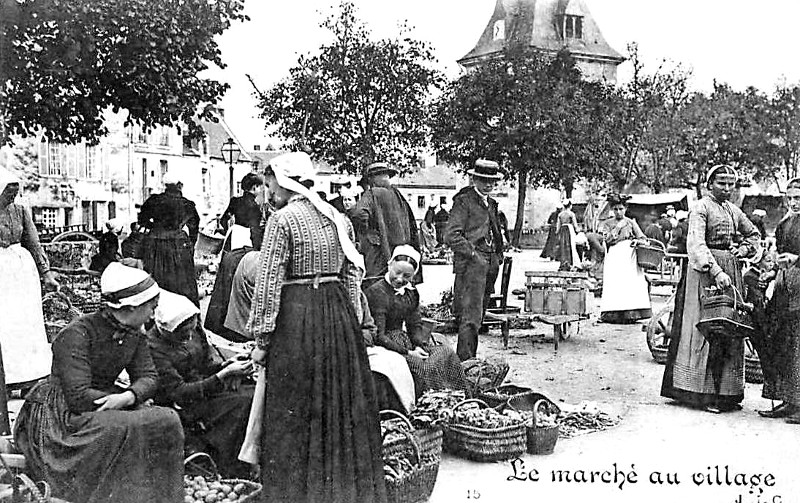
[(709, 373), (779, 348), (93, 441), (321, 436)]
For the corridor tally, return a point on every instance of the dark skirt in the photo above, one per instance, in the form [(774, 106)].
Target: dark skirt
[(624, 317), (169, 258), (779, 347), (124, 456), (441, 370), (221, 296), (699, 371), (321, 439), (550, 250), (220, 422)]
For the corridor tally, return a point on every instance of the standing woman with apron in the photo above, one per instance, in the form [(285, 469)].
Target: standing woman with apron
[(26, 352)]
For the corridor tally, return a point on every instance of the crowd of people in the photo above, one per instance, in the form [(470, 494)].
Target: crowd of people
[(327, 295)]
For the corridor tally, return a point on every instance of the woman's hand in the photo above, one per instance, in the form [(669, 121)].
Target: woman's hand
[(259, 356), (116, 401), (722, 280), (235, 367), (419, 353), (740, 251), (50, 281), (786, 260)]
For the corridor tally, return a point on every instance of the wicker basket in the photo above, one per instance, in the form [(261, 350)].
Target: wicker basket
[(724, 316), (252, 489), (650, 255), (502, 394), (484, 444), (53, 327), (485, 374), (417, 486), (752, 370), (82, 287), (541, 440), (429, 440)]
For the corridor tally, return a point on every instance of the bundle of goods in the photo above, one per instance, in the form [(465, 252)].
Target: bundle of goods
[(58, 313), (586, 418), (440, 312), (202, 483), (485, 373), (480, 433), (435, 407), (82, 287), (409, 470)]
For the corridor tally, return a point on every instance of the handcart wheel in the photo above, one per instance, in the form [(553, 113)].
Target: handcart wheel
[(659, 331)]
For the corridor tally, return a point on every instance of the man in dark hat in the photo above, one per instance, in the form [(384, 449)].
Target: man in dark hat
[(473, 232), (383, 220)]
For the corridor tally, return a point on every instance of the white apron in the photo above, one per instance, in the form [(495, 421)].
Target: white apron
[(393, 365), (251, 447), (624, 285), (26, 352)]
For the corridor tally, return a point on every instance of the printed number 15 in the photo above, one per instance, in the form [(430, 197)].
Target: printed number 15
[(473, 494)]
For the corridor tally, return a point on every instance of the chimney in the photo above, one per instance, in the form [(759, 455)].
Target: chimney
[(256, 148)]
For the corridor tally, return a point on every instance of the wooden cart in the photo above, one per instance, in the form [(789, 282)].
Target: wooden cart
[(557, 298)]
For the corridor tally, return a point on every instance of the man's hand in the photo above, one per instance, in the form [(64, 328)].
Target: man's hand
[(116, 401)]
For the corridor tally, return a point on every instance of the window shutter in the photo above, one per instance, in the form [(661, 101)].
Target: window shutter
[(43, 151)]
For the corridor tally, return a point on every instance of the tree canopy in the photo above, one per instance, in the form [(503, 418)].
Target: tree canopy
[(64, 62), (357, 99)]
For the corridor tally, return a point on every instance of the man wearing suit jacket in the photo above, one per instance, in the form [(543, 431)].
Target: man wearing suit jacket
[(473, 233)]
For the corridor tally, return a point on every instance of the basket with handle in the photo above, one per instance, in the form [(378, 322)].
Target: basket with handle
[(429, 440), (484, 444), (414, 485), (249, 490), (723, 316), (485, 374), (650, 254), (540, 439), (24, 490), (752, 364), (58, 313)]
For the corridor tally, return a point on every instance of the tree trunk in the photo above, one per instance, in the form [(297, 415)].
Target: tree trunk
[(569, 186), (522, 185)]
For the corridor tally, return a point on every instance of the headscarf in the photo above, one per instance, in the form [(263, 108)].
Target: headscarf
[(408, 251), (173, 309), (759, 212), (123, 286), (720, 169), (298, 165), (7, 177)]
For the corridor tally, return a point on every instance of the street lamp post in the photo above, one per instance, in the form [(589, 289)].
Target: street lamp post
[(230, 154)]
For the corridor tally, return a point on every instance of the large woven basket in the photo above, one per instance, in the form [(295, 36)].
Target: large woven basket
[(484, 444), (485, 374), (723, 316), (495, 397), (429, 440), (53, 326), (417, 486), (650, 255), (252, 489), (82, 287)]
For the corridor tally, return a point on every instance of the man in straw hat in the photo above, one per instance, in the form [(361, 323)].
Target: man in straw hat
[(89, 438), (473, 233), (384, 220)]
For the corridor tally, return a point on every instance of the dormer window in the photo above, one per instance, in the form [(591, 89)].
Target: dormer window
[(571, 26), (499, 30)]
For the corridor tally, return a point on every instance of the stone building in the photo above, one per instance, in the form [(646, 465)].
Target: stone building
[(548, 26)]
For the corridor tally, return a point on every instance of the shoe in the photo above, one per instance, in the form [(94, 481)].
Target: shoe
[(712, 409), (793, 419), (782, 410)]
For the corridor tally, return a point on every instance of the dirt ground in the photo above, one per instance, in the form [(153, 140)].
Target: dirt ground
[(611, 366)]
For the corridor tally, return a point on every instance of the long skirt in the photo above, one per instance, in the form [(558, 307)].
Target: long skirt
[(625, 296), (440, 370), (220, 422), (241, 297), (779, 350), (169, 258), (124, 456), (702, 371), (551, 244), (221, 296), (567, 252), (26, 352), (321, 439)]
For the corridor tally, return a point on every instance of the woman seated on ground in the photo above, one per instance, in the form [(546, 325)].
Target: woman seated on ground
[(625, 292), (213, 407), (395, 303), (91, 440)]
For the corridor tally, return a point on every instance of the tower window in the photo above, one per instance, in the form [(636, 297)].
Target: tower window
[(499, 30), (571, 26)]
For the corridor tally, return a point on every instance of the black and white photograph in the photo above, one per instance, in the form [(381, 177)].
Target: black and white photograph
[(354, 251)]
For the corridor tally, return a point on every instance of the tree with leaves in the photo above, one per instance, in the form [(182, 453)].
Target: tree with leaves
[(64, 62), (785, 117), (530, 111), (358, 99)]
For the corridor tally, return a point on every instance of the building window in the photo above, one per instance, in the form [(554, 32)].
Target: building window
[(442, 200), (420, 201), (55, 156), (164, 140), (46, 217), (205, 179), (499, 30), (142, 136), (93, 163), (571, 26), (164, 166)]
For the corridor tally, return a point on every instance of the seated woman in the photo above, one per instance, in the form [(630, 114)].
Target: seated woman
[(212, 405), (395, 303), (92, 441), (626, 297)]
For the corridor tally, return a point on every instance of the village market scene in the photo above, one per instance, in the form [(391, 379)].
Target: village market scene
[(492, 250)]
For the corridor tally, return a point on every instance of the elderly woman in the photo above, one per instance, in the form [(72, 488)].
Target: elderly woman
[(709, 373), (26, 353), (211, 404), (394, 304), (321, 433), (90, 439), (625, 298)]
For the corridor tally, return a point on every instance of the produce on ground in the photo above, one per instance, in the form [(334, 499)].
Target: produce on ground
[(200, 490)]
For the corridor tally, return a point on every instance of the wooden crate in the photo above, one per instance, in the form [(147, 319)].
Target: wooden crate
[(556, 293)]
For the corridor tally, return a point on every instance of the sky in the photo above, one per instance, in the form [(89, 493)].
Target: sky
[(742, 43)]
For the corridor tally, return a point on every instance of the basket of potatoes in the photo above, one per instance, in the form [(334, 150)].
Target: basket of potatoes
[(203, 484)]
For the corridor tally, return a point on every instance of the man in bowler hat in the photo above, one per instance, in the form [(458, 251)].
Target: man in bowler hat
[(473, 233)]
